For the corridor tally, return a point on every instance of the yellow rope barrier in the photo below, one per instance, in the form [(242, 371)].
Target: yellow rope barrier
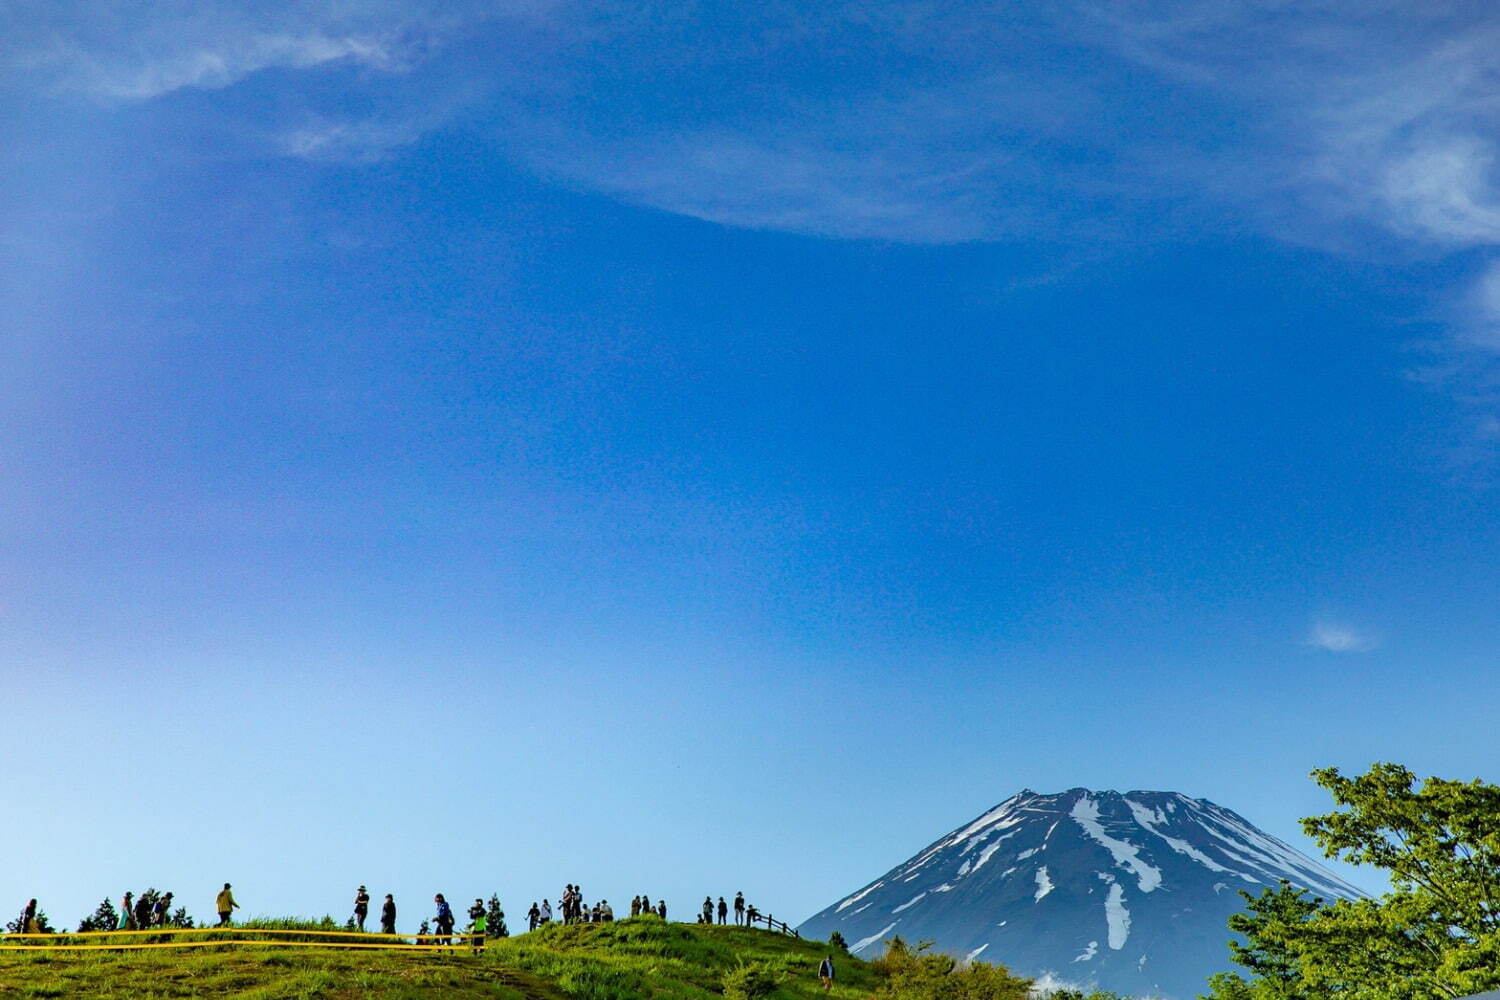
[(220, 937)]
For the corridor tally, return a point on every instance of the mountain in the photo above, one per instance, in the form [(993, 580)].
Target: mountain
[(1126, 892)]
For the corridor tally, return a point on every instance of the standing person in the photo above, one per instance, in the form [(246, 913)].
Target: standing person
[(361, 908), (646, 905), (723, 910), (825, 973), (161, 910), (708, 909), (477, 926), (533, 916), (635, 906), (127, 913), (444, 920), (661, 909), (28, 918), (546, 912), (751, 915), (225, 904), (739, 908), (143, 911), (388, 915)]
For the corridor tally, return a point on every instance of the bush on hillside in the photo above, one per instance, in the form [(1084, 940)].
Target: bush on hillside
[(837, 943), (921, 974), (749, 982)]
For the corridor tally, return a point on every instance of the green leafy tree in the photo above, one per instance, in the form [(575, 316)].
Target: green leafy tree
[(104, 918), (494, 918), (837, 943), (1435, 935)]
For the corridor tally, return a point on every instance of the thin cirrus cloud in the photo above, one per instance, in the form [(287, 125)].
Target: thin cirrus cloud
[(1335, 637), (1368, 127)]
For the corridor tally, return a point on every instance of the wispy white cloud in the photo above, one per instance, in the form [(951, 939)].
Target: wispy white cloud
[(1339, 638), (137, 52)]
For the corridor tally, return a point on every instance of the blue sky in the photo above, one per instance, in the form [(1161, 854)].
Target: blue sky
[(679, 449)]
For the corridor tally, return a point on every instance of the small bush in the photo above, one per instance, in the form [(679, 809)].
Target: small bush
[(749, 982)]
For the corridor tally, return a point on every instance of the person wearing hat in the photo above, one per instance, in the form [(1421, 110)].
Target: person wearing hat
[(361, 908), (226, 905)]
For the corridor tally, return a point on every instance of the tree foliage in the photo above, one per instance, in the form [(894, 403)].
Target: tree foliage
[(104, 918), (1435, 935), (921, 974)]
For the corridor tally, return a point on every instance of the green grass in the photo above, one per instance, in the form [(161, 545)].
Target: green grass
[(640, 959)]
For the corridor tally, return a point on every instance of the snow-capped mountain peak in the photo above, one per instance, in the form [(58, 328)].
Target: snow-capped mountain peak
[(1127, 891)]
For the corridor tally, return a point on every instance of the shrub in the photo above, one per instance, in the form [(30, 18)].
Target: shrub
[(749, 982)]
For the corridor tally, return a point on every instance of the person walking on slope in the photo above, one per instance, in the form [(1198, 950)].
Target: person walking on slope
[(825, 973), (224, 903), (546, 912), (533, 917), (361, 908), (388, 915), (127, 913), (723, 911), (739, 908), (161, 911)]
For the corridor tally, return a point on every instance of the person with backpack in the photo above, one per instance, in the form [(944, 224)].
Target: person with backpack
[(225, 905), (723, 911), (708, 910), (388, 915), (478, 924), (825, 973), (361, 908), (444, 920)]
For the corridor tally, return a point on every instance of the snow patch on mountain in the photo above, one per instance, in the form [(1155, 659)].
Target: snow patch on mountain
[(1115, 914), (910, 902), (860, 895), (1151, 819), (1043, 883), (875, 938), (1086, 814)]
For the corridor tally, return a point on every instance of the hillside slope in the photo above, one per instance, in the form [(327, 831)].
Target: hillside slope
[(640, 959)]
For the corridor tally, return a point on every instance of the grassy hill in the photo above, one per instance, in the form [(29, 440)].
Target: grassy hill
[(628, 960)]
